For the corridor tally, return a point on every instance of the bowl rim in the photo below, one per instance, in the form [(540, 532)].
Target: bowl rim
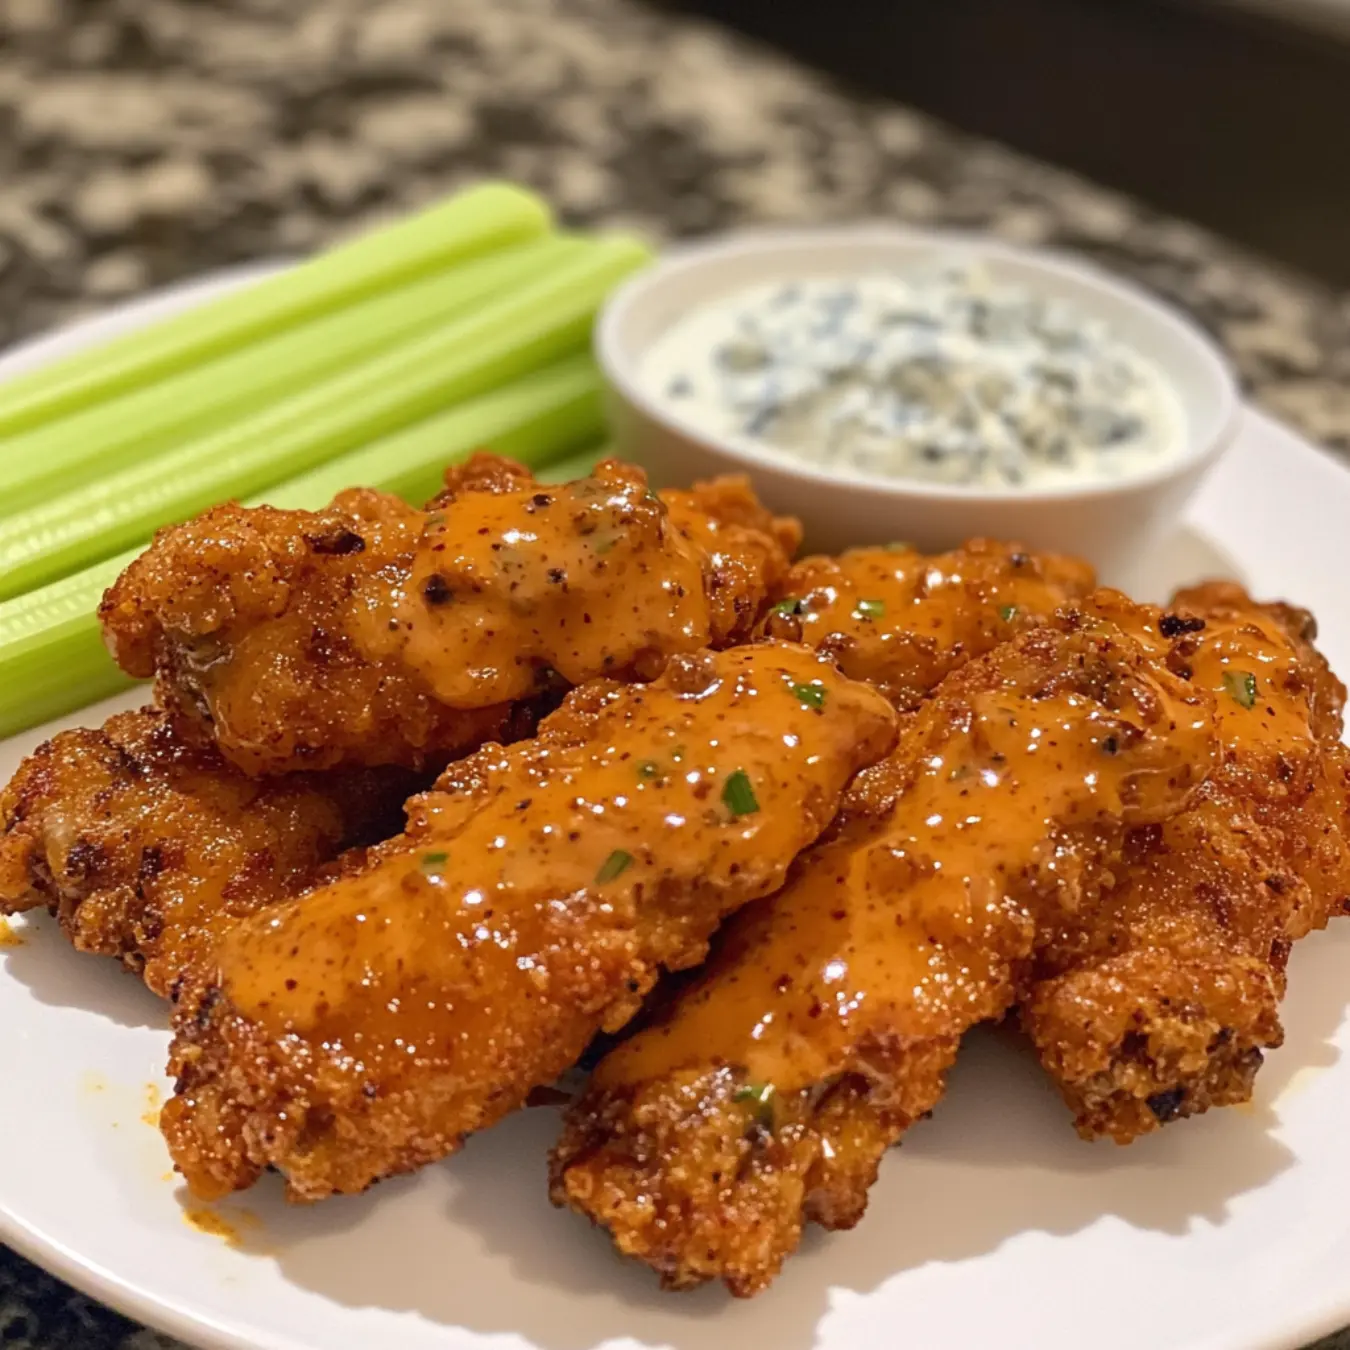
[(618, 363)]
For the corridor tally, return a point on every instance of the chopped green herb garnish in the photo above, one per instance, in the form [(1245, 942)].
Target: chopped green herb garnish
[(739, 794), (431, 863), (760, 1096), (436, 518), (648, 768), (613, 867), (900, 546), (810, 695), (1007, 613), (787, 608), (754, 1092), (869, 609), (604, 542), (1241, 685)]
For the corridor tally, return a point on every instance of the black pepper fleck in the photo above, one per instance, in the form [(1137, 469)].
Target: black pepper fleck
[(1174, 625), (336, 542), (436, 590), (1167, 1105)]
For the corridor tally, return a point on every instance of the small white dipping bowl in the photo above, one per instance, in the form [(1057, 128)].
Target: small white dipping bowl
[(1108, 523)]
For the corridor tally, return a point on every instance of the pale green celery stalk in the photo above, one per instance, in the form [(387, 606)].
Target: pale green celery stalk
[(578, 465), (469, 223), (501, 339), (137, 426), (52, 658), (533, 420), (62, 666)]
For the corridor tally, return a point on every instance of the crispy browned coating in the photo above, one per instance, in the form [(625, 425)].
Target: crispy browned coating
[(746, 547), (1160, 1002), (902, 620), (538, 892), (766, 1093), (374, 633), (146, 849)]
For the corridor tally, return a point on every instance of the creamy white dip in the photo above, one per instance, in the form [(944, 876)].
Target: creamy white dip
[(943, 375)]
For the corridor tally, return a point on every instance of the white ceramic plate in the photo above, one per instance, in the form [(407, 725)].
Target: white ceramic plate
[(992, 1226)]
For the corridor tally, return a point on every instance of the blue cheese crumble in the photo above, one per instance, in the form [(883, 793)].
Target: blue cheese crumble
[(944, 376)]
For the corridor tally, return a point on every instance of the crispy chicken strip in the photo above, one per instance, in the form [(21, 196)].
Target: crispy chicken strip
[(902, 620), (765, 1095), (374, 633), (146, 849), (1161, 1003), (537, 894)]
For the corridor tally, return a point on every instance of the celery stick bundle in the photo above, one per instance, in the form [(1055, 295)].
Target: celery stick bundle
[(465, 225), (52, 658), (374, 364), (507, 335), (131, 428)]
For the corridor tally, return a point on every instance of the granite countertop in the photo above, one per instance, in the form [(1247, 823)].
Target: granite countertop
[(146, 140)]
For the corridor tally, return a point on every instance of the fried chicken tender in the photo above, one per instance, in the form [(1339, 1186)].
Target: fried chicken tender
[(536, 895), (902, 620), (146, 849), (1161, 1002), (375, 633), (765, 1095), (747, 550)]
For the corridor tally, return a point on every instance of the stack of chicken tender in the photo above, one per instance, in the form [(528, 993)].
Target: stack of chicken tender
[(428, 799)]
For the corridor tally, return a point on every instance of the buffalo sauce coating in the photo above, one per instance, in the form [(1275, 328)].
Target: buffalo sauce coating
[(544, 893), (747, 549), (1281, 788), (146, 849), (902, 619), (505, 588), (1204, 909), (1261, 689), (907, 924), (1268, 698)]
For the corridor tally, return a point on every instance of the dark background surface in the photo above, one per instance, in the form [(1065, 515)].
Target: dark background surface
[(1230, 117)]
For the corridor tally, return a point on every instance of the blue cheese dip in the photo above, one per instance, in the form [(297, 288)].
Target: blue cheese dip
[(945, 375)]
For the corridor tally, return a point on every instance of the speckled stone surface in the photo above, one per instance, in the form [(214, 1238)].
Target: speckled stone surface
[(146, 140)]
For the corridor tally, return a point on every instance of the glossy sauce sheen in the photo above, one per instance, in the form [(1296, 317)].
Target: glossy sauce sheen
[(909, 924), (1271, 709), (1162, 1003), (579, 579), (1272, 716), (902, 619), (373, 633), (746, 551), (507, 907)]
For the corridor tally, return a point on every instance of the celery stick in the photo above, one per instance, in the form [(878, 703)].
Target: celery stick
[(63, 668), (470, 223), (577, 465), (52, 658), (532, 419), (134, 427), (503, 338)]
